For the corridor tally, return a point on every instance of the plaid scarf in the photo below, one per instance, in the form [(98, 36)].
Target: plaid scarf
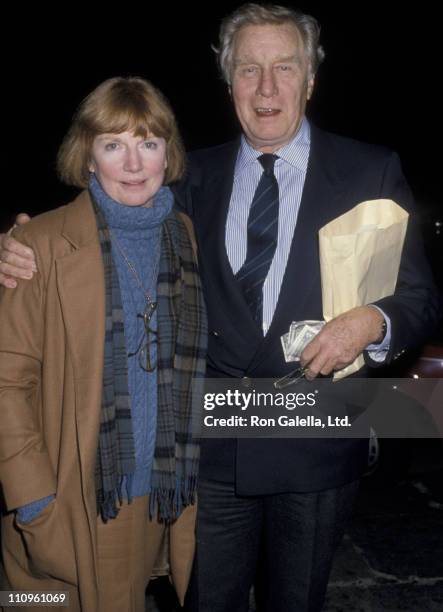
[(182, 342)]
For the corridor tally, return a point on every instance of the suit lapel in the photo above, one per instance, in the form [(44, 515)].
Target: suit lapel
[(210, 218)]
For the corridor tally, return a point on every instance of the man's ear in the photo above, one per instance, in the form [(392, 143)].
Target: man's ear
[(310, 87)]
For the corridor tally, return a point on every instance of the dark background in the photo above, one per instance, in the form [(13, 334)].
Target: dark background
[(379, 83)]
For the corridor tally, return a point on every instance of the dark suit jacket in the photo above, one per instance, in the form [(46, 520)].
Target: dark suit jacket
[(341, 173)]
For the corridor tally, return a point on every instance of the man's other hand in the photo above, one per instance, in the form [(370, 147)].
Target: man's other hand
[(342, 340), (16, 260)]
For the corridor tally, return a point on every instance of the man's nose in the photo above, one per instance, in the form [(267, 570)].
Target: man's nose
[(267, 85), (133, 162)]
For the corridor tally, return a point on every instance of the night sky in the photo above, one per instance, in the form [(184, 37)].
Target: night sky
[(379, 83)]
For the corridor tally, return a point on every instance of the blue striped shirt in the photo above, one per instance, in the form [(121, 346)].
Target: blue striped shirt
[(290, 172)]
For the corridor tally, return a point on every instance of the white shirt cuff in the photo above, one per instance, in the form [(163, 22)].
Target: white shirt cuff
[(378, 352)]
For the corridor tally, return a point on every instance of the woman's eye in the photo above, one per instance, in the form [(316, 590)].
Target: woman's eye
[(149, 144), (111, 146)]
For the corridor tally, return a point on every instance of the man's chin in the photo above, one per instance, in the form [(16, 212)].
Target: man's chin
[(269, 141)]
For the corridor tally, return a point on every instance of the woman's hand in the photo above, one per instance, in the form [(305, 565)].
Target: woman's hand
[(16, 260)]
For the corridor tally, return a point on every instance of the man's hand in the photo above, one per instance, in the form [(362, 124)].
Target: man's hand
[(342, 340), (16, 260)]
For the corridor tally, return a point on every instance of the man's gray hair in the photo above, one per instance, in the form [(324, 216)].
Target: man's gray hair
[(264, 14)]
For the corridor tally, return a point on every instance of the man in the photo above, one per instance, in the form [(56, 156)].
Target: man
[(284, 502)]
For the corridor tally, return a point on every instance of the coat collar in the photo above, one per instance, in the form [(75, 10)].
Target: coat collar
[(79, 226)]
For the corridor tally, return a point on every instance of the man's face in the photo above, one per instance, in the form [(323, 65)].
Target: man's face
[(270, 84)]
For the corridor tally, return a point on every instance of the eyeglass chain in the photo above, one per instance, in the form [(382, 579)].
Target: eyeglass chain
[(151, 304)]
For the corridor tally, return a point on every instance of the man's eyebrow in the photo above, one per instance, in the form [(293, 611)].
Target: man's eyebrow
[(287, 58), (295, 57), (244, 60)]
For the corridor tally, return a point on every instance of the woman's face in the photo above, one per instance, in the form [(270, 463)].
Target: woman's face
[(129, 168)]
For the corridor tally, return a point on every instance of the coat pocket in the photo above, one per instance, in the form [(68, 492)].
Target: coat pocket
[(49, 545)]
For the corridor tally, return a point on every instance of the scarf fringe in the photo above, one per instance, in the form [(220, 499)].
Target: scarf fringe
[(108, 506), (110, 502), (166, 505)]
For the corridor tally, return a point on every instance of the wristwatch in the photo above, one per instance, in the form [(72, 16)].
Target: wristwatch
[(384, 329)]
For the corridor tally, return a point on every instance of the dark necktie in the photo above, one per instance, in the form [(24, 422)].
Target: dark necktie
[(262, 238)]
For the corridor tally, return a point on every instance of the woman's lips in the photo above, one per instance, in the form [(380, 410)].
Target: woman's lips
[(133, 184)]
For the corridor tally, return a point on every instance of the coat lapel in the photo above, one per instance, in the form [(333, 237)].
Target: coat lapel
[(80, 281)]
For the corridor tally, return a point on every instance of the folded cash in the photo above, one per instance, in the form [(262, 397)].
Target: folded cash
[(299, 335), (285, 344)]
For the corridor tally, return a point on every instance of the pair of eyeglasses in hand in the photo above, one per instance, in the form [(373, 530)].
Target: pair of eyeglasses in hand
[(292, 378)]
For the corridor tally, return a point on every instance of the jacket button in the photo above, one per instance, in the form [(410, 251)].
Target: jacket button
[(214, 333), (246, 382)]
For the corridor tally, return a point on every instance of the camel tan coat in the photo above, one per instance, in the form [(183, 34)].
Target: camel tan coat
[(51, 362)]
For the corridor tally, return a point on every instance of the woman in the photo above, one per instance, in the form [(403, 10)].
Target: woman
[(97, 357)]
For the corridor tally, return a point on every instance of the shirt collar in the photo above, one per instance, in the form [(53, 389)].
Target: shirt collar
[(295, 153)]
